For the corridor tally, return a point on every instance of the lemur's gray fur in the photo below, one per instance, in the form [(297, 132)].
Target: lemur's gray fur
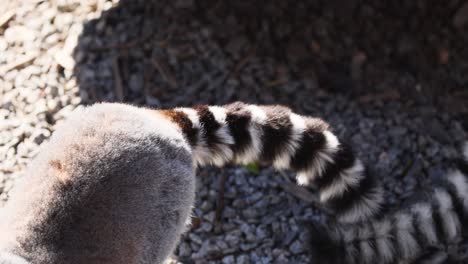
[(115, 184)]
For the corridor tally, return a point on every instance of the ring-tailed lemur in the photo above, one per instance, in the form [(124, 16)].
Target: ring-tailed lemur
[(115, 184), (432, 219)]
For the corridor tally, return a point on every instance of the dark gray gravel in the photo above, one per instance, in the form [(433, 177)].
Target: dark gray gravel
[(390, 78)]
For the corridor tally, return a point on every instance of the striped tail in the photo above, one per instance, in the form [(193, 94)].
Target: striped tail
[(244, 133), (434, 220)]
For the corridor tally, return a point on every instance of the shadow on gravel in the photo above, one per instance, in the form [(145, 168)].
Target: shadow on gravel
[(166, 53)]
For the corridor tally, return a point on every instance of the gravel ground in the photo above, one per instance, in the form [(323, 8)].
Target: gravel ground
[(389, 77)]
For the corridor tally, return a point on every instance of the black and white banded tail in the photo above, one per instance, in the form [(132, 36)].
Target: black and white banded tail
[(433, 220), (245, 133)]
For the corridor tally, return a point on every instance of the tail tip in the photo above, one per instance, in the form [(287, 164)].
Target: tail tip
[(324, 248)]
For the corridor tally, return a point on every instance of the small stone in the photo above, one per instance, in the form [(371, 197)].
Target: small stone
[(38, 139), (229, 212), (275, 199), (53, 106), (3, 44), (67, 5), (255, 197), (232, 239), (206, 248), (261, 233), (242, 259), (153, 101), (136, 83), (65, 60), (239, 203), (247, 247), (222, 245), (206, 227), (19, 34), (100, 26), (250, 213), (195, 238), (278, 252), (290, 236), (210, 217), (296, 247), (398, 131), (229, 260), (206, 206)]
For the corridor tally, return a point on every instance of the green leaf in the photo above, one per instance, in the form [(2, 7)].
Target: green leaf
[(252, 168)]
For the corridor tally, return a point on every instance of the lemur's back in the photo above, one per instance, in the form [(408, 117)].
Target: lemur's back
[(114, 185)]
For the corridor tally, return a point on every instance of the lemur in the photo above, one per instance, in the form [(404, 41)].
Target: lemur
[(420, 232), (116, 183)]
